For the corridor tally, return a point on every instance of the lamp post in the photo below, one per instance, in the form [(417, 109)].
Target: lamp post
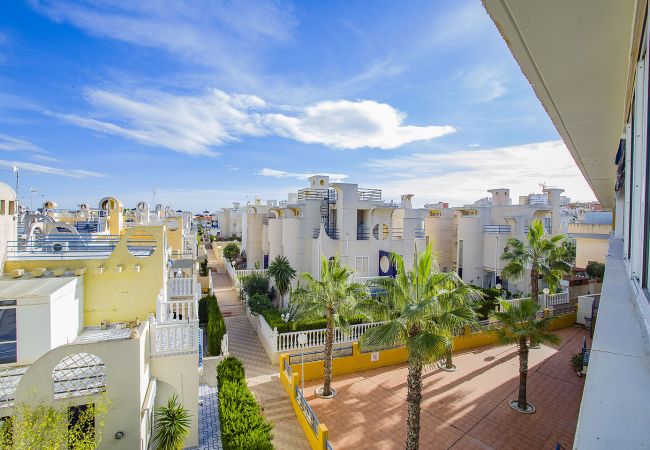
[(545, 291), (302, 341), (496, 260)]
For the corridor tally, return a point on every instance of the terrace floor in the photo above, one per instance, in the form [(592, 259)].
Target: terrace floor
[(466, 409)]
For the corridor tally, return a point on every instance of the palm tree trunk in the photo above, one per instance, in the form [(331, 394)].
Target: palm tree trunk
[(522, 403), (414, 398), (449, 363), (329, 344), (534, 283)]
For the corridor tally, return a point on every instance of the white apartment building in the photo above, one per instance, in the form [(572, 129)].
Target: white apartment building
[(329, 219), (231, 220), (588, 64), (97, 316), (471, 239)]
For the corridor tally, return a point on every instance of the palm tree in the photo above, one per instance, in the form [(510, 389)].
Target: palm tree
[(521, 324), (421, 309), (547, 257), (282, 272), (172, 425), (334, 297)]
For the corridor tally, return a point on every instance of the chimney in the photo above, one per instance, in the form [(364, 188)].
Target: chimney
[(406, 201), (500, 197)]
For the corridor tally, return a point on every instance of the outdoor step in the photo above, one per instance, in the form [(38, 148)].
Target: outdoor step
[(277, 418)]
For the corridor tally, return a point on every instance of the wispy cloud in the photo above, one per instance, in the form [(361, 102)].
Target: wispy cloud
[(45, 158), (228, 36), (196, 124), (48, 170), (13, 144), (464, 176), (266, 172), (485, 83)]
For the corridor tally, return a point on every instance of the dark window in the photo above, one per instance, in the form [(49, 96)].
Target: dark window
[(7, 335)]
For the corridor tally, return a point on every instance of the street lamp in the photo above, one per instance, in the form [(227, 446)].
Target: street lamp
[(302, 341), (545, 291)]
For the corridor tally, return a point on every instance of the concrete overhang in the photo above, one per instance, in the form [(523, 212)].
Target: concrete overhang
[(579, 56)]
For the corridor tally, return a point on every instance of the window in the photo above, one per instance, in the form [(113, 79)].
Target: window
[(12, 207), (2, 207), (362, 266), (7, 331)]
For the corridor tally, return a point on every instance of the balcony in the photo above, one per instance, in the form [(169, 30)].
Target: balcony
[(69, 246), (497, 229), (363, 234), (183, 287), (317, 194), (173, 338)]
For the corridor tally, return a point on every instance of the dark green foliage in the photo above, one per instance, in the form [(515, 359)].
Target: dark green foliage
[(489, 301), (256, 284), (203, 309), (282, 272), (595, 269), (231, 251), (576, 361), (216, 327), (257, 303), (243, 426), (203, 268)]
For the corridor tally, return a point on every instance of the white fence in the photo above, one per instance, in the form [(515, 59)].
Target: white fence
[(316, 338), (236, 275), (546, 301), (183, 287), (173, 338)]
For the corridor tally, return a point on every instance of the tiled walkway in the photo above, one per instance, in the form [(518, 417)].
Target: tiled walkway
[(261, 375), (466, 409), (209, 423)]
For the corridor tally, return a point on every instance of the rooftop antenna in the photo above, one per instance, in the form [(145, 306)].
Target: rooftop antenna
[(16, 171), (154, 197)]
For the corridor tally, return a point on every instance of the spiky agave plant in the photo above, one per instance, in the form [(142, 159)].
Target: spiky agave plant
[(172, 425)]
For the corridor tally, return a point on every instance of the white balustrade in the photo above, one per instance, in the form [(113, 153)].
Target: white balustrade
[(316, 338), (173, 338), (177, 311), (181, 287), (556, 299)]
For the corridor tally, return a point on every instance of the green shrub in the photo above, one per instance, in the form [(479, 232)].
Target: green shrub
[(216, 328), (257, 303), (256, 284), (595, 269), (243, 426), (203, 268), (230, 369), (489, 302), (231, 252)]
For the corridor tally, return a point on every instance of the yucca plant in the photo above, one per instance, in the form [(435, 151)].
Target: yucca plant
[(172, 425), (421, 309), (282, 272), (522, 324)]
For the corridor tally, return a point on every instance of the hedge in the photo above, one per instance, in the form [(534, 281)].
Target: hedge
[(243, 426), (216, 328)]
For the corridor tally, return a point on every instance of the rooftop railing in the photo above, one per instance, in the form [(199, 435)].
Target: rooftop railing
[(69, 246), (497, 229), (369, 195), (317, 194)]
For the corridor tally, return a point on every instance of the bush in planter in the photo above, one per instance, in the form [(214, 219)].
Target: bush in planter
[(203, 268), (256, 284), (231, 252)]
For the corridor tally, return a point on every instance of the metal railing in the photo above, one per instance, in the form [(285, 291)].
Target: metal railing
[(69, 246), (497, 229), (317, 194), (318, 355), (307, 411), (419, 233), (287, 370), (363, 234), (370, 195)]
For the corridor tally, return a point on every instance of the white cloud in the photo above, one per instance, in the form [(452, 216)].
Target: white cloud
[(486, 83), (196, 124), (48, 170), (45, 158), (464, 176), (12, 144), (352, 125), (266, 172)]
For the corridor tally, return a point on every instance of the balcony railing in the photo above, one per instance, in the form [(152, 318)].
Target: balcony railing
[(497, 229), (317, 194), (177, 311), (173, 338), (363, 234), (183, 287)]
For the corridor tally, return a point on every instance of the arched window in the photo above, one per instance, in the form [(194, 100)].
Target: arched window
[(79, 374)]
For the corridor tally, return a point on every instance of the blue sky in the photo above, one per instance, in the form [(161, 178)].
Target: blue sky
[(211, 102)]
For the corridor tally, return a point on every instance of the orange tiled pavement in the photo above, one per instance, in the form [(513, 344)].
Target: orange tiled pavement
[(466, 409)]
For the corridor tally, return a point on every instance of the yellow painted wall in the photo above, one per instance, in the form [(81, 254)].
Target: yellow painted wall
[(114, 296), (360, 361), (316, 440), (591, 250), (175, 237)]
